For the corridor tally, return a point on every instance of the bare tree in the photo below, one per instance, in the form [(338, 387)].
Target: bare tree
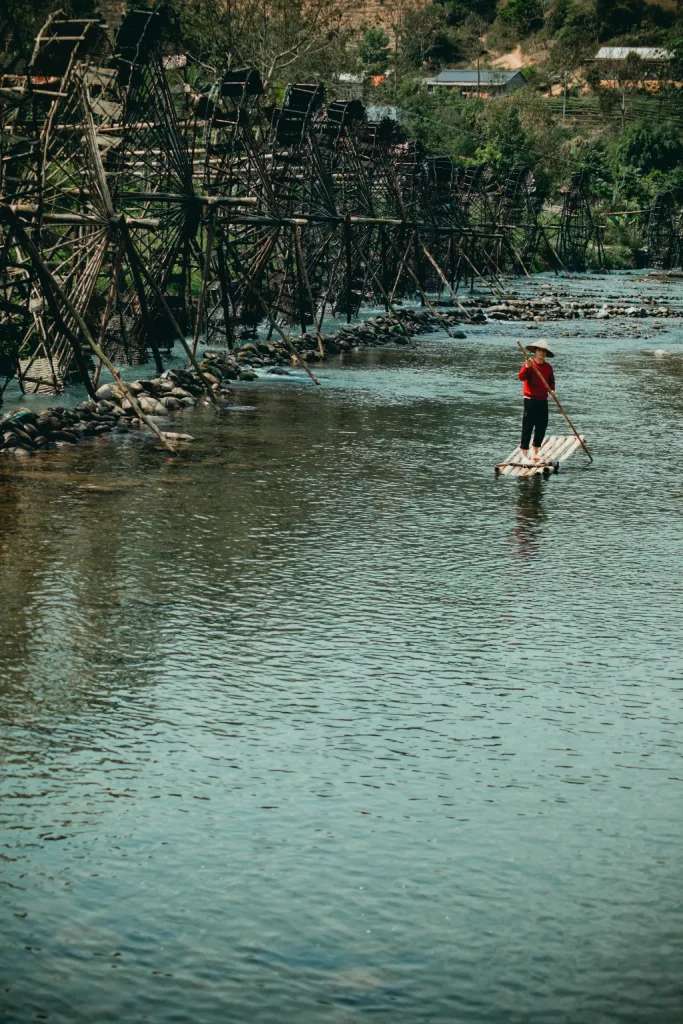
[(288, 36)]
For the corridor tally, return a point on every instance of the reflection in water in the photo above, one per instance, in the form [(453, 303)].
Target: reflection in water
[(530, 515), (318, 721)]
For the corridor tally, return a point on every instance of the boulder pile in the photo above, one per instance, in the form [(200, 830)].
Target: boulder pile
[(554, 308), (111, 411), (396, 329)]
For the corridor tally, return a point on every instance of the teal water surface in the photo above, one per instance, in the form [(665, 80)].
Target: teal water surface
[(320, 722)]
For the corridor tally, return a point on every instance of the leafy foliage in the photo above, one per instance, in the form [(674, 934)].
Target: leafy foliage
[(373, 51), (20, 21), (424, 37), (648, 146), (524, 16)]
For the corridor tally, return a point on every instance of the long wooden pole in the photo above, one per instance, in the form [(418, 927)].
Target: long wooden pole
[(206, 270), (135, 257), (306, 281), (443, 277), (525, 352)]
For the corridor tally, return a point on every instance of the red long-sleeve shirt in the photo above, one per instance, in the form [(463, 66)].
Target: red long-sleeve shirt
[(531, 385)]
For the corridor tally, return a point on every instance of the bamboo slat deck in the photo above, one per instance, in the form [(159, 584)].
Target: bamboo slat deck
[(554, 450)]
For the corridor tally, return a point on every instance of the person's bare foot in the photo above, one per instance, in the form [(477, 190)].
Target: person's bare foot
[(524, 456), (536, 454)]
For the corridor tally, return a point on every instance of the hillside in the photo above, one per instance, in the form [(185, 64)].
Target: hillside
[(513, 33)]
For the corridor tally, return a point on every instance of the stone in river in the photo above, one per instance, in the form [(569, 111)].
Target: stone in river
[(169, 435), (150, 406)]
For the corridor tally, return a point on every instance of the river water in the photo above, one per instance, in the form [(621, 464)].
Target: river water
[(320, 722)]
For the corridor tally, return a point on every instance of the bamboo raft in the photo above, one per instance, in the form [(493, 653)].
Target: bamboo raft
[(554, 451)]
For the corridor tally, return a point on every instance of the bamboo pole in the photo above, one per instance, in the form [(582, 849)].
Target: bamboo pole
[(523, 349), (205, 283), (425, 301), (173, 322), (443, 277), (307, 284)]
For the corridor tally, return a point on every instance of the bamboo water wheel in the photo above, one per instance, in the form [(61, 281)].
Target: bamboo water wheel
[(144, 201)]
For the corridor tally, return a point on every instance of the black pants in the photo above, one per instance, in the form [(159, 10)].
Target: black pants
[(534, 420)]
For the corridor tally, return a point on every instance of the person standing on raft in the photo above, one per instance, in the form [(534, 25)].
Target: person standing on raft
[(537, 377)]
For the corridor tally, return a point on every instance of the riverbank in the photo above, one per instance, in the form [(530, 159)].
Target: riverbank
[(116, 407), (534, 303)]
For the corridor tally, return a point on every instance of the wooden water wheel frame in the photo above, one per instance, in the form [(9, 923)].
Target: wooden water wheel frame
[(142, 204)]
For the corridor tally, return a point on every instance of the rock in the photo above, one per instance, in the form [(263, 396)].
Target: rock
[(150, 406), (170, 403), (65, 436), (106, 392), (46, 423), (248, 375), (169, 435)]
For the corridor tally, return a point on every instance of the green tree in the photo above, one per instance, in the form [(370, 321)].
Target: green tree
[(373, 51), (575, 41), (470, 37), (424, 37), (615, 17), (20, 22), (458, 11), (650, 146), (523, 16), (556, 15)]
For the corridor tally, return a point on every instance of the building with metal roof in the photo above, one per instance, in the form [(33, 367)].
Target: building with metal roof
[(649, 73), (643, 52), (470, 81)]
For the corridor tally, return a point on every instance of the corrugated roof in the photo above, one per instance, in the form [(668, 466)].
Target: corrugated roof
[(470, 77), (622, 52), (379, 113)]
